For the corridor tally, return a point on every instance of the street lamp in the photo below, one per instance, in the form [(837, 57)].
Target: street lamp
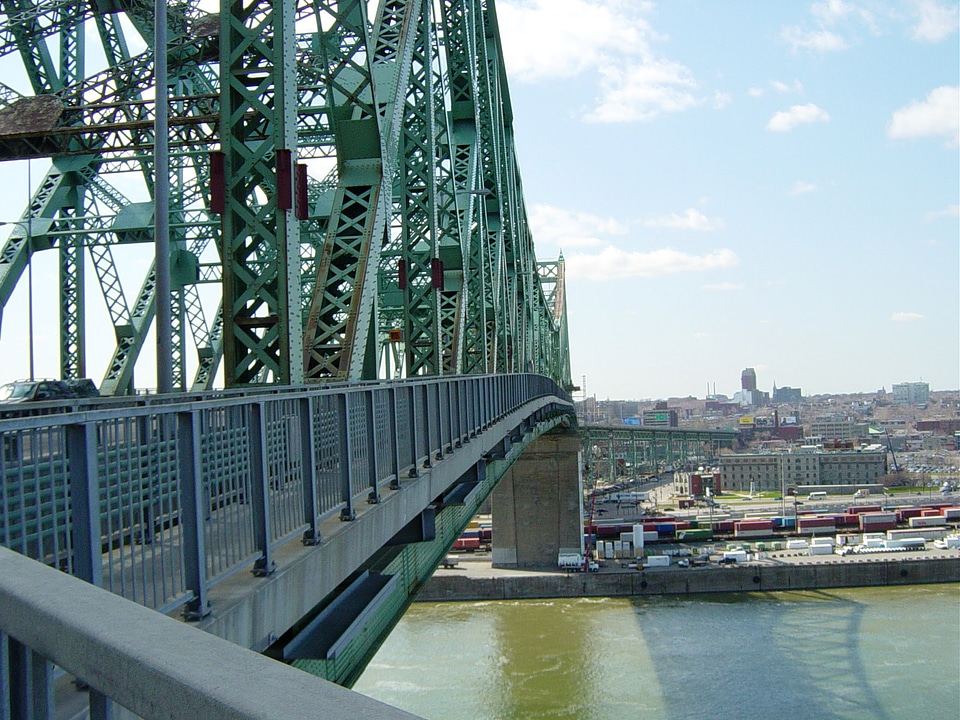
[(28, 224)]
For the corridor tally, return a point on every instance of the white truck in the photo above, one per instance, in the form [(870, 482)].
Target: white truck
[(573, 562)]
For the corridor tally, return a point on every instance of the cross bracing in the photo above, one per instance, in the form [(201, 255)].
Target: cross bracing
[(345, 195)]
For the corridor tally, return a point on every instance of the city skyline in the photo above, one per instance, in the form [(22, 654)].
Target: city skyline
[(790, 204)]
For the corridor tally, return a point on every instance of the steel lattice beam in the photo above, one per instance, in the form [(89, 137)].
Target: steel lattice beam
[(366, 218)]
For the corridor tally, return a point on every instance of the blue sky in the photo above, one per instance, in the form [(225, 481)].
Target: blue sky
[(744, 184), (732, 184)]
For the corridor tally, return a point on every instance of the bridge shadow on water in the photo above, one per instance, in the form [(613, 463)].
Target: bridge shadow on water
[(858, 654), (759, 655)]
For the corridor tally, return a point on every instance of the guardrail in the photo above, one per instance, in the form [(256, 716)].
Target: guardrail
[(144, 661), (158, 503)]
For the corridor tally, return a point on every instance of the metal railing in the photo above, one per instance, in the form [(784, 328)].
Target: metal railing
[(158, 503)]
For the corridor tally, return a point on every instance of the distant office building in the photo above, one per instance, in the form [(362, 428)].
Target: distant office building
[(748, 379), (787, 395), (838, 429), (911, 393), (766, 471)]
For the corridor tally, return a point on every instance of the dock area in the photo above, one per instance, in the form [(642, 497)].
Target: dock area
[(474, 578)]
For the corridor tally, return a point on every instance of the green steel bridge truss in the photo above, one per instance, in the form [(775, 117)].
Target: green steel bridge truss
[(611, 452), (344, 172)]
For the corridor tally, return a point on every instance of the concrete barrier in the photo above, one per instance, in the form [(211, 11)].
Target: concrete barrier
[(155, 666), (676, 581)]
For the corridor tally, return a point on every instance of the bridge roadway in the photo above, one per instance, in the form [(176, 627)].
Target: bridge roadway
[(299, 523)]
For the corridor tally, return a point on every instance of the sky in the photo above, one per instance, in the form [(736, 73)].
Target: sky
[(744, 184), (740, 184)]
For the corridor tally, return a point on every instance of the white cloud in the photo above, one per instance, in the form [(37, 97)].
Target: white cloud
[(721, 100), (950, 211), (785, 121), (801, 188), (934, 21), (755, 92), (556, 39), (781, 87), (691, 219), (562, 38), (831, 11), (902, 317), (616, 264), (723, 287), (818, 40), (562, 228), (939, 114), (643, 91)]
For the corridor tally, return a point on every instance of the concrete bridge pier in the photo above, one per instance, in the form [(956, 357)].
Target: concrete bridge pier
[(537, 506)]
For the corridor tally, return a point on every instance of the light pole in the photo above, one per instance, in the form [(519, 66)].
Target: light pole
[(28, 224)]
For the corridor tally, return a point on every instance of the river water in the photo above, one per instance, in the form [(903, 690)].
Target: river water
[(862, 653)]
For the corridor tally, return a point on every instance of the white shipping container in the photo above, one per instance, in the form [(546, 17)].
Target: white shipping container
[(796, 544), (608, 550), (825, 541), (738, 555), (618, 549), (638, 536), (927, 521), (926, 533), (626, 537), (658, 561), (820, 550)]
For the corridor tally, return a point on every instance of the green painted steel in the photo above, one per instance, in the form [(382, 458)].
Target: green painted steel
[(648, 451), (345, 170), (412, 566)]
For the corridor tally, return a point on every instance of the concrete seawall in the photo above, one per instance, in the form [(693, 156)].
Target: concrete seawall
[(742, 578)]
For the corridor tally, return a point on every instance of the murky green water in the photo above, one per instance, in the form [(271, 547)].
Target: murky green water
[(883, 653)]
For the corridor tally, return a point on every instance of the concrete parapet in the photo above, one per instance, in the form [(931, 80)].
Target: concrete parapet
[(153, 665), (741, 578)]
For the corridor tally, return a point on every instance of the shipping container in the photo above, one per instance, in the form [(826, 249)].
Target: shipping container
[(848, 520), (694, 534), (926, 533), (927, 521), (658, 561), (467, 544), (904, 514), (857, 509), (753, 528), (931, 512), (952, 514), (810, 525), (876, 521)]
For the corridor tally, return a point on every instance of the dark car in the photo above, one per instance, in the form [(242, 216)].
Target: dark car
[(24, 391), (727, 561)]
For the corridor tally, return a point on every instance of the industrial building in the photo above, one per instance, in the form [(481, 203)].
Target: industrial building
[(801, 468)]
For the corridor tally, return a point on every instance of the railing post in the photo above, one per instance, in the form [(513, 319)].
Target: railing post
[(412, 420), (424, 391), (372, 450), (438, 394), (259, 479), (346, 458), (311, 536), (85, 501), (194, 505), (31, 683), (395, 483)]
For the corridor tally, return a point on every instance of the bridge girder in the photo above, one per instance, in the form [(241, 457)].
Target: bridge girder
[(344, 169)]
